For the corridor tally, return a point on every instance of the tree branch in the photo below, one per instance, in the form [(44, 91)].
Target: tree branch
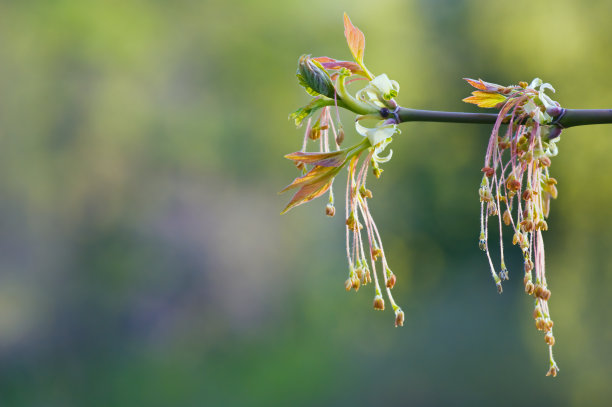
[(571, 117)]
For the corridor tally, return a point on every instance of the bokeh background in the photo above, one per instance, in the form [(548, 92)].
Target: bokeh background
[(143, 261)]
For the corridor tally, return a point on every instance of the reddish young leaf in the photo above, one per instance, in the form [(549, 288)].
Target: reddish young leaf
[(355, 39), (316, 174), (308, 193), (329, 63), (333, 159)]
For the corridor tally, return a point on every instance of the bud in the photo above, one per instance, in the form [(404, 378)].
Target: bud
[(553, 371), (376, 253), (377, 171), (314, 78), (399, 318), (537, 312), (527, 194), (340, 136), (503, 274), (330, 210), (545, 294), (499, 288), (526, 225), (513, 184), (528, 265), (538, 290), (355, 283), (544, 161), (507, 217), (549, 339), (300, 165), (488, 171), (391, 281), (540, 324), (379, 304), (365, 193), (523, 84), (542, 225), (367, 277), (348, 284), (529, 287), (549, 324)]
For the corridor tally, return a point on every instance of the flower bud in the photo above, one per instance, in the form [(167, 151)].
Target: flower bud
[(365, 193), (553, 371), (538, 290), (379, 303), (391, 281), (330, 210), (499, 288), (529, 287), (340, 136), (527, 194), (544, 161), (528, 265), (488, 171), (348, 284), (542, 225), (376, 253), (545, 295), (355, 283), (507, 217), (399, 318), (549, 339)]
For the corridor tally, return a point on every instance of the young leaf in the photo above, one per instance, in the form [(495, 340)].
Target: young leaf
[(333, 159), (485, 99), (315, 175), (355, 39), (304, 112), (308, 193)]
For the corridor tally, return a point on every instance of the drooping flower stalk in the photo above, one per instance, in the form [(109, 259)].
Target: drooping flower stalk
[(516, 186), (326, 79)]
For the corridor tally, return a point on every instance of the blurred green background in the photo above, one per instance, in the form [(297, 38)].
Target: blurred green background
[(143, 261)]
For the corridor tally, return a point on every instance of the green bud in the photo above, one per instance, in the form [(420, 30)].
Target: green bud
[(314, 78)]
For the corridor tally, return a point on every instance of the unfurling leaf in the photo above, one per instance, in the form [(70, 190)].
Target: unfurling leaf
[(308, 193), (314, 78), (333, 159), (355, 39), (304, 112), (317, 174), (485, 99), (330, 63)]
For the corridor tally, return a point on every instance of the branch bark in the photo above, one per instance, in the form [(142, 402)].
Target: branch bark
[(571, 117)]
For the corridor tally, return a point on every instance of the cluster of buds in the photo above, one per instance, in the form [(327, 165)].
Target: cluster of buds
[(516, 186), (326, 79)]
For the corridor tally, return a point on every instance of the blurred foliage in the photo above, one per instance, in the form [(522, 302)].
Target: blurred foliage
[(142, 257)]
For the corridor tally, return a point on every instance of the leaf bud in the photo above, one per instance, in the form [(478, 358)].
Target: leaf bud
[(314, 78)]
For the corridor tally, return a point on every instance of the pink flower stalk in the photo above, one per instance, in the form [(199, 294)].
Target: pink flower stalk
[(516, 186)]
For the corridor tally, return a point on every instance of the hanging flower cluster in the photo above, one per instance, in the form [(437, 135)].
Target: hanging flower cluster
[(326, 79), (516, 185)]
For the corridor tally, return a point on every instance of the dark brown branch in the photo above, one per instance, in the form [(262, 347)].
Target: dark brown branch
[(571, 117)]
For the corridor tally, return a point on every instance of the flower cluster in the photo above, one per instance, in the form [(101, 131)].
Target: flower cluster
[(516, 186), (326, 79)]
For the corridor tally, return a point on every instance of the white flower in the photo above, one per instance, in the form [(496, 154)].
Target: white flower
[(378, 91)]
